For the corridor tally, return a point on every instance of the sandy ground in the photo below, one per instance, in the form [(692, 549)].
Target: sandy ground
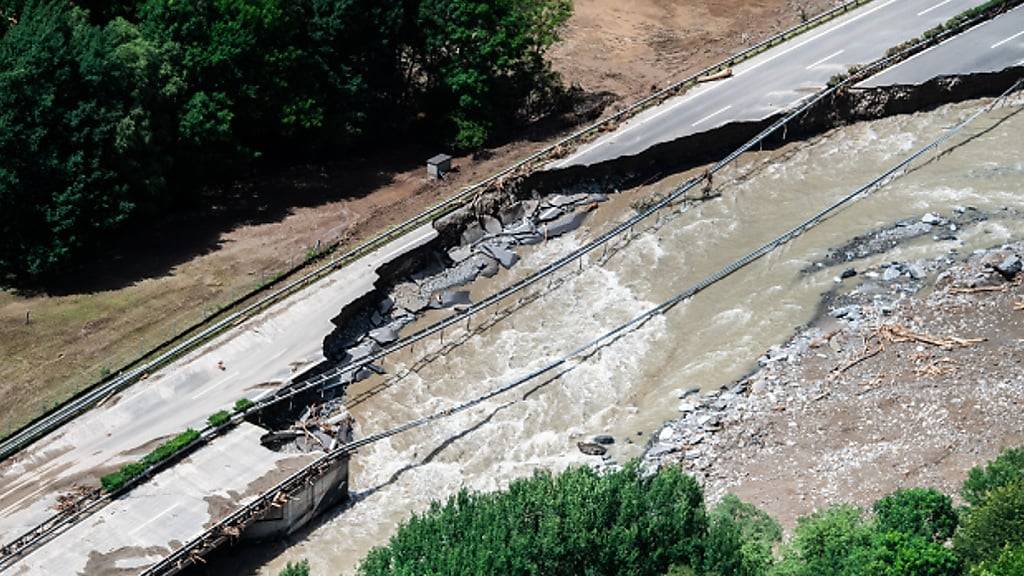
[(630, 48), (180, 270), (918, 380)]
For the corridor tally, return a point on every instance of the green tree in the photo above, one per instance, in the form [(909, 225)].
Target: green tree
[(989, 527), (1009, 563), (1007, 468), (300, 568), (580, 522), (833, 541), (483, 60), (78, 152), (740, 539), (921, 512), (901, 554)]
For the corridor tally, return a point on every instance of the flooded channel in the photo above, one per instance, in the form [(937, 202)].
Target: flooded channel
[(628, 389)]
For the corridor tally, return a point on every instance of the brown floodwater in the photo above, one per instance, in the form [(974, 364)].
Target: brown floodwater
[(628, 389)]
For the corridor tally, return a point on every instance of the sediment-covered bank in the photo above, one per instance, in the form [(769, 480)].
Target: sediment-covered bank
[(912, 374)]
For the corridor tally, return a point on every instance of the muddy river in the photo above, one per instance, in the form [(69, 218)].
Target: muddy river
[(629, 388)]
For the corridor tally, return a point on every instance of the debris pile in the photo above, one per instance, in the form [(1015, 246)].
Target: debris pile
[(888, 377), (321, 428), (487, 245)]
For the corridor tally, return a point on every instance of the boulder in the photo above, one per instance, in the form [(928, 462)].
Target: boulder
[(1009, 267), (604, 439), (503, 255), (591, 448), (491, 225), (565, 224), (472, 234), (384, 335)]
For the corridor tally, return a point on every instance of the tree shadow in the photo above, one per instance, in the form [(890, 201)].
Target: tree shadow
[(153, 246)]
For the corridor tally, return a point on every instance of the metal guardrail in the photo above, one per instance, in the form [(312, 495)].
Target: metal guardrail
[(90, 398), (89, 503), (63, 520), (216, 533)]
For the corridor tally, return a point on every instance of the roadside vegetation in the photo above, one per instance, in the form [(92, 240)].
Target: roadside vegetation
[(623, 522), (116, 480), (112, 113)]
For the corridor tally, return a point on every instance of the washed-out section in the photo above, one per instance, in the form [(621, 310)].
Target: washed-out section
[(633, 386)]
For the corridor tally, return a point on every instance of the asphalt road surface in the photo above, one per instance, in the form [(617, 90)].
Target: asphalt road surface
[(777, 79), (257, 356), (989, 47)]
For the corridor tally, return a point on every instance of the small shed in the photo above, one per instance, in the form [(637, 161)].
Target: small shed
[(439, 165)]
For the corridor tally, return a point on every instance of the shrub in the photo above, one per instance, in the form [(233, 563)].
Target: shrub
[(580, 522), (921, 512), (1009, 563), (740, 539), (116, 480), (296, 569), (1006, 469), (990, 527), (833, 541), (112, 481), (171, 447), (243, 404), (219, 418), (900, 554)]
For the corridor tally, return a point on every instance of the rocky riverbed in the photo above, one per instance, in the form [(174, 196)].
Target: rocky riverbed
[(912, 373)]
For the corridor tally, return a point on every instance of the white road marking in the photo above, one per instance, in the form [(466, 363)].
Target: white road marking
[(712, 115), (826, 59), (923, 12), (815, 37), (153, 519), (1005, 40)]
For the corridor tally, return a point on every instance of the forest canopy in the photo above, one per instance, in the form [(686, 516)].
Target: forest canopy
[(112, 112)]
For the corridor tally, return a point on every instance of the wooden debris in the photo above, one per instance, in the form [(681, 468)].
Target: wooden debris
[(961, 290), (1018, 306), (897, 333), (941, 367), (864, 356)]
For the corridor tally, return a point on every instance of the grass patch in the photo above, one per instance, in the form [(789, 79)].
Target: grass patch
[(132, 470), (219, 418)]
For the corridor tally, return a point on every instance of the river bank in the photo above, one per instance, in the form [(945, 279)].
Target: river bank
[(910, 375)]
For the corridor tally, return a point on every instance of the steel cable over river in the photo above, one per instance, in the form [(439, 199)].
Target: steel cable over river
[(183, 343), (222, 530), (88, 504)]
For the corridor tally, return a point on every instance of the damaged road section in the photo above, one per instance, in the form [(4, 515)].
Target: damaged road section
[(469, 245)]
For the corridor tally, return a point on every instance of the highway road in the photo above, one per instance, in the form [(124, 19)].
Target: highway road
[(775, 80), (271, 347), (261, 353), (137, 530), (988, 47)]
